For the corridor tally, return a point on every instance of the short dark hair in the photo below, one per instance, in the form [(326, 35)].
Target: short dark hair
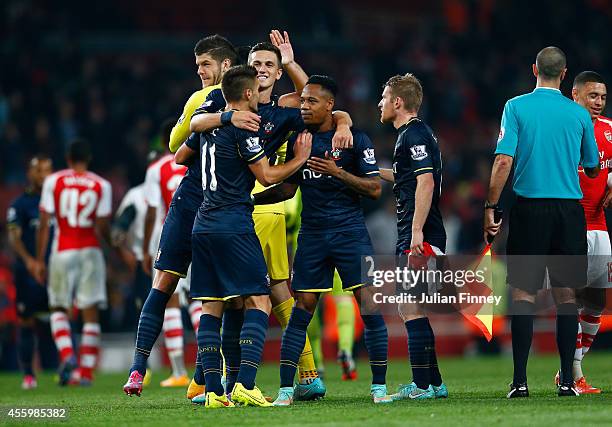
[(79, 151), (325, 82), (165, 130), (551, 62), (218, 47), (588, 77), (236, 80), (408, 88), (270, 48)]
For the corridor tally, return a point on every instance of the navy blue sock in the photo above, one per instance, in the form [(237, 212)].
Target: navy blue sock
[(434, 371), (149, 328), (252, 338), (26, 349), (292, 345), (209, 347), (377, 343), (418, 346), (230, 345), (198, 375)]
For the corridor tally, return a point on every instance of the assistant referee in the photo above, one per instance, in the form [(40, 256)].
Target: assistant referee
[(547, 137)]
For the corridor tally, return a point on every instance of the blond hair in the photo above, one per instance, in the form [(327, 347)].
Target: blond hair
[(408, 88)]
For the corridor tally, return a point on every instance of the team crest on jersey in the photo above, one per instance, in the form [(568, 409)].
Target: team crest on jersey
[(418, 152), (268, 127), (368, 156), (608, 135), (253, 144), (336, 153)]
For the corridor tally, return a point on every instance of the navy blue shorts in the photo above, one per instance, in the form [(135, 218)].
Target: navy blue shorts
[(226, 266), (319, 254), (174, 253), (31, 297)]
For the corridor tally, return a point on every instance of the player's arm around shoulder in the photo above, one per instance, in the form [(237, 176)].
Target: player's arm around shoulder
[(268, 175)]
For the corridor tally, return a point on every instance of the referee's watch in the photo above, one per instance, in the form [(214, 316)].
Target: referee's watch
[(489, 205)]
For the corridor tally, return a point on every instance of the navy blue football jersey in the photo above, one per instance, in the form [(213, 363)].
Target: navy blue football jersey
[(328, 203), (227, 181), (24, 213), (277, 123), (190, 190), (417, 152)]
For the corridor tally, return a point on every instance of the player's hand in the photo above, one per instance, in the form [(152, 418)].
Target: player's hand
[(491, 228), (303, 145), (118, 237), (607, 199), (416, 244), (130, 260), (326, 166), (31, 265), (147, 263), (343, 138), (39, 272), (281, 41), (246, 120)]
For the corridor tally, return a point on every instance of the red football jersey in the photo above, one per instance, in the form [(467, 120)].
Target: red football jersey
[(76, 199), (162, 179), (594, 189)]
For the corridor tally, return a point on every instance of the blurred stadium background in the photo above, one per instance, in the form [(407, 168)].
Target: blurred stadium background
[(113, 71)]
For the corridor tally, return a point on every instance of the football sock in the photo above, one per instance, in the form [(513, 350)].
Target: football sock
[(307, 370), (60, 328), (567, 330), (314, 336), (230, 345), (173, 337), (252, 338), (589, 323), (377, 342), (434, 371), (522, 334), (292, 344), (90, 347), (149, 328), (345, 319), (198, 375), (26, 349), (418, 347), (209, 348), (578, 355), (195, 311)]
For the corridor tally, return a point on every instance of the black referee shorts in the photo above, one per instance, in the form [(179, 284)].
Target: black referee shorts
[(547, 234)]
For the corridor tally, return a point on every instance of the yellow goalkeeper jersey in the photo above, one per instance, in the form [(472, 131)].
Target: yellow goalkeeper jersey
[(277, 208), (180, 131)]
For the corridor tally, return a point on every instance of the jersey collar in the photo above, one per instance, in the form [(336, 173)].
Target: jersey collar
[(405, 126)]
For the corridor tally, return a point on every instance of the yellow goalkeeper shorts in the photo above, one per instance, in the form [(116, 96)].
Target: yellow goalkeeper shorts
[(272, 234)]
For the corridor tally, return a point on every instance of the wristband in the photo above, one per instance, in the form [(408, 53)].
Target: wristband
[(491, 205), (226, 117)]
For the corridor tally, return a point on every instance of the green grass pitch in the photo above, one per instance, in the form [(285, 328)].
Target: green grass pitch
[(477, 397)]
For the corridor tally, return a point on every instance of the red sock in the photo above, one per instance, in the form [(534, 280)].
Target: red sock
[(60, 327)]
